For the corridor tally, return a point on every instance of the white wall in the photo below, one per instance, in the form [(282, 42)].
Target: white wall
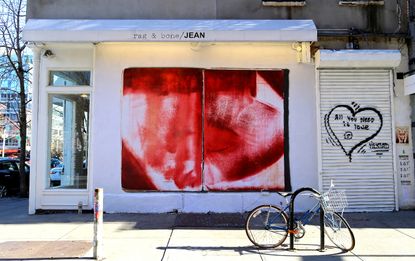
[(403, 110), (105, 160), (108, 64)]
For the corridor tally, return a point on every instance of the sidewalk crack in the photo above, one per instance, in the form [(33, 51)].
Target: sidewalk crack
[(69, 232), (396, 229), (403, 233)]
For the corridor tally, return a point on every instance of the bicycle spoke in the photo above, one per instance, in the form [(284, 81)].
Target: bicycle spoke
[(266, 226), (339, 231)]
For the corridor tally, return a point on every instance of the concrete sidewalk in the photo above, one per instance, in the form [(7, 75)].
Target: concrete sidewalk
[(68, 236)]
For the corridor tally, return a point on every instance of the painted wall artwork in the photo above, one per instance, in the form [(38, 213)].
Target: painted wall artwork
[(352, 128), (244, 130), (187, 129), (162, 129)]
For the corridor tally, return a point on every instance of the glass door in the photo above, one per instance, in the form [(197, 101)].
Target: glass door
[(68, 141)]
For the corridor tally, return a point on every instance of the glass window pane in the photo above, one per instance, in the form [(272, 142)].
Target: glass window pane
[(68, 141), (69, 78)]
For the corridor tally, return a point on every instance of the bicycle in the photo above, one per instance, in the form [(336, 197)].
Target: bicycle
[(267, 225)]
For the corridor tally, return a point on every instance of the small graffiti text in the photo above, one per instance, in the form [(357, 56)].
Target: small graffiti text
[(379, 146), (405, 170)]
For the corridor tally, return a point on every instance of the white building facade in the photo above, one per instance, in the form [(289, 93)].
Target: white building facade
[(337, 116)]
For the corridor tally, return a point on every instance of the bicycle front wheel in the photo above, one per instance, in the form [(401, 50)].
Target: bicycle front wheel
[(266, 226), (338, 231)]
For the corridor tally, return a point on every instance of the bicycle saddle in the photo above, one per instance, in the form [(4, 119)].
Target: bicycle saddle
[(285, 194)]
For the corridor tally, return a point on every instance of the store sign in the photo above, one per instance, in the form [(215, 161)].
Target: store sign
[(141, 30), (170, 36), (404, 170), (404, 162), (404, 167)]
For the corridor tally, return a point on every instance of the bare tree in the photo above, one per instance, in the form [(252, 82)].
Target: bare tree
[(15, 68)]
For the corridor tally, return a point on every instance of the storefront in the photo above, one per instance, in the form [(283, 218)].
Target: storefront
[(356, 126), (201, 115)]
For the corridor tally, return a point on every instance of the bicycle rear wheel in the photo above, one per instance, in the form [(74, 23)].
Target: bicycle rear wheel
[(266, 226), (338, 231)]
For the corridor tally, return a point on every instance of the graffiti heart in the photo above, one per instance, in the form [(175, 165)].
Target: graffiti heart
[(351, 127)]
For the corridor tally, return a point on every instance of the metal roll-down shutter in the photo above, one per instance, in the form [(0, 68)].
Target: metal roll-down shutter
[(356, 136)]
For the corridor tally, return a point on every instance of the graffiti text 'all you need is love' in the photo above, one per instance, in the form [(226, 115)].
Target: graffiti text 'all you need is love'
[(352, 128)]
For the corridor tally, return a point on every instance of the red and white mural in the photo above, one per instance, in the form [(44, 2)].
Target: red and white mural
[(191, 129), (162, 129), (244, 130)]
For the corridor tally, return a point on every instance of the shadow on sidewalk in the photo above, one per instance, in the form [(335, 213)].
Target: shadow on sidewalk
[(240, 250), (14, 211), (394, 220), (305, 251)]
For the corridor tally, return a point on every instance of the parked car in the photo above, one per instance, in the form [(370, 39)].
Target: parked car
[(54, 162), (55, 175), (10, 176)]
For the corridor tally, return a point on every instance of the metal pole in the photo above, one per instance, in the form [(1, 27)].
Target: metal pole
[(322, 247), (291, 218), (98, 222), (5, 134), (4, 144)]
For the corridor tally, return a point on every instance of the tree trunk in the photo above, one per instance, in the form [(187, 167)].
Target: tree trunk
[(24, 178), (12, 47)]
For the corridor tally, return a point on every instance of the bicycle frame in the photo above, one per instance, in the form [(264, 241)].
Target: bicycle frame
[(309, 214), (305, 218)]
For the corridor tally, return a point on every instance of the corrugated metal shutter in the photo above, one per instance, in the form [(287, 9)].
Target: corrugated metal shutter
[(356, 136)]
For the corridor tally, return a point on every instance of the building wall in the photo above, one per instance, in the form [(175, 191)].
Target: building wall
[(404, 151), (375, 27), (108, 60), (369, 18), (112, 59)]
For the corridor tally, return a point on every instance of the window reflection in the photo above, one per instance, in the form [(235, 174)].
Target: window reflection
[(68, 136), (69, 78)]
